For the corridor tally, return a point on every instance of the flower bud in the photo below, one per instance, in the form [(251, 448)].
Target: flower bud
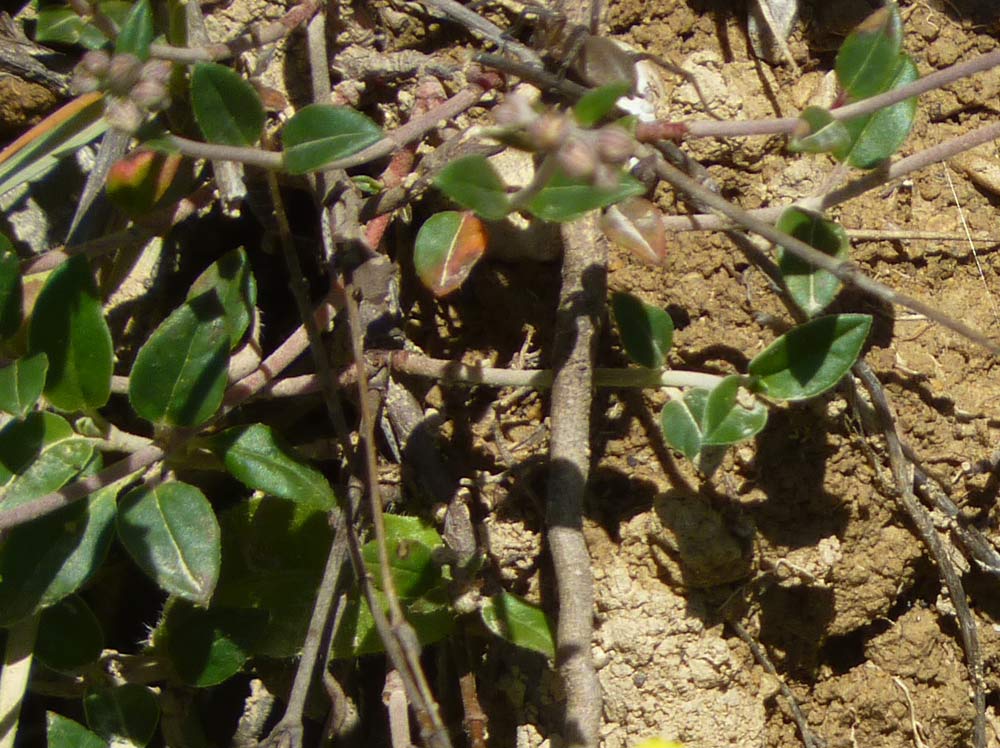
[(83, 82), (549, 130), (150, 95), (123, 114), (157, 71), (123, 73), (577, 158), (614, 144), (514, 111), (96, 63)]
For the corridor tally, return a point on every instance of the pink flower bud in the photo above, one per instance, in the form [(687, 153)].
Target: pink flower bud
[(549, 130), (614, 144), (577, 158), (123, 73)]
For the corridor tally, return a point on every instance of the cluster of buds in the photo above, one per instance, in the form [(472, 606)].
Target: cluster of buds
[(595, 155), (134, 88)]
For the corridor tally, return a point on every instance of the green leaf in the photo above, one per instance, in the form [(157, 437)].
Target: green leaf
[(22, 441), (646, 331), (65, 733), (123, 715), (59, 23), (430, 616), (21, 383), (877, 136), (179, 375), (810, 358), (419, 582), (564, 199), (273, 555), (60, 134), (594, 105), (68, 326), (473, 183), (227, 107), (11, 290), (234, 285), (811, 288), (171, 532), (54, 466), (69, 635), (707, 418), (818, 132), (410, 543), (320, 134), (521, 623), (47, 559), (207, 647), (137, 32), (256, 457), (868, 57), (448, 246)]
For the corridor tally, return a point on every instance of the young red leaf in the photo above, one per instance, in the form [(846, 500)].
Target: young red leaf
[(448, 245), (137, 182)]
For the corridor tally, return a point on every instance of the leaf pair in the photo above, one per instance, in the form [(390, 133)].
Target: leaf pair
[(869, 62), (229, 111), (801, 364)]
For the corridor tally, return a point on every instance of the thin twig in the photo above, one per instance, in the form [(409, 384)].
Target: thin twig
[(810, 739), (409, 668), (878, 177), (581, 306), (845, 271), (412, 130), (259, 35), (902, 472), (479, 25)]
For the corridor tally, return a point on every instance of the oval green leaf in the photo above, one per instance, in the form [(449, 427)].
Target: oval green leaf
[(320, 134), (54, 466), (564, 199), (431, 617), (818, 132), (727, 420), (22, 441), (448, 246), (877, 136), (645, 330), (137, 32), (867, 59), (226, 107), (21, 384), (171, 532), (207, 647), (811, 288), (69, 635), (521, 623), (62, 732), (594, 105), (123, 715), (473, 183), (45, 560), (681, 419), (411, 543), (11, 290), (711, 418), (179, 375), (810, 358), (68, 326), (232, 280), (256, 457)]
